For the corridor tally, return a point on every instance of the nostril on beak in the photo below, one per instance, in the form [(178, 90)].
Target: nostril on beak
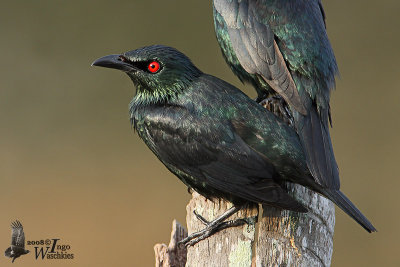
[(123, 59)]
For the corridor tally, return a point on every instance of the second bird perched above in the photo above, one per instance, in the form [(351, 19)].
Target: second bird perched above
[(281, 47), (212, 136)]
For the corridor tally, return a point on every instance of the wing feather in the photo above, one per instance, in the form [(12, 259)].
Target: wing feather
[(17, 234), (254, 45), (209, 155), (285, 43)]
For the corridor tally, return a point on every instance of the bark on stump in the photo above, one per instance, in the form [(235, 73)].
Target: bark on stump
[(279, 238), (173, 254)]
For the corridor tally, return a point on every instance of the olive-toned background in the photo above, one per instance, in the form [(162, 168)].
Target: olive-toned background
[(72, 168)]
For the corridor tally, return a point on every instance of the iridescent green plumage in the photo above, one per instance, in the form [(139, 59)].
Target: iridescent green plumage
[(282, 49), (213, 137)]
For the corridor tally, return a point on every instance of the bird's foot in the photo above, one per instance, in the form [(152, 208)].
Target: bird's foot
[(278, 106), (213, 227), (274, 104)]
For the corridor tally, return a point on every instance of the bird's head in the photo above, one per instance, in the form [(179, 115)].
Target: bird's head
[(158, 72)]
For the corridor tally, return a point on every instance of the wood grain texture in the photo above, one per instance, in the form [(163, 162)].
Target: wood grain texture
[(173, 254), (229, 247), (275, 238), (297, 239)]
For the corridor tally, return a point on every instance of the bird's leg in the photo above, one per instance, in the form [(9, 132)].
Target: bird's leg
[(284, 109), (212, 227), (274, 103), (277, 105), (201, 218)]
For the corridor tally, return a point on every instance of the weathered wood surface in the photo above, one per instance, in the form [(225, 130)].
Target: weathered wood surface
[(173, 254), (229, 247), (279, 238), (297, 239)]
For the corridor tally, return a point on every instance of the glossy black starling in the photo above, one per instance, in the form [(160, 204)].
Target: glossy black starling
[(281, 47), (212, 136)]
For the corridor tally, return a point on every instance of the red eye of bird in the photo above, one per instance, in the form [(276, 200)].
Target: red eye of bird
[(154, 66)]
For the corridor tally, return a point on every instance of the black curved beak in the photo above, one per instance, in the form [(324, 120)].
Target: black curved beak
[(113, 62)]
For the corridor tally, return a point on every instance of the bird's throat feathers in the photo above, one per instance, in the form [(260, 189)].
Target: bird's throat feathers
[(156, 95), (159, 93)]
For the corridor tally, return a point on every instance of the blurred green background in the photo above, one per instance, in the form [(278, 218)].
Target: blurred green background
[(72, 168)]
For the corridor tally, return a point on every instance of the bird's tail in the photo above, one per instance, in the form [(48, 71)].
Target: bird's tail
[(345, 204)]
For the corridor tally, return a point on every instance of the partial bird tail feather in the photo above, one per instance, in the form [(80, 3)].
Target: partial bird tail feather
[(314, 135), (347, 206)]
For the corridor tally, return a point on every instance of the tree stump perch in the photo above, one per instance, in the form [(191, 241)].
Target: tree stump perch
[(276, 238), (289, 238), (173, 255)]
